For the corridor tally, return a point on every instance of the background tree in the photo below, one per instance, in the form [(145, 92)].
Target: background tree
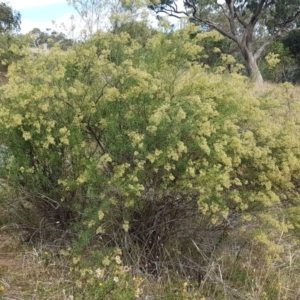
[(91, 12), (278, 65), (50, 37), (10, 20), (137, 30), (292, 42), (242, 21), (287, 53), (111, 15)]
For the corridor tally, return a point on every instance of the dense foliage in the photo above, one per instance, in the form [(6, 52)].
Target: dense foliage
[(130, 144)]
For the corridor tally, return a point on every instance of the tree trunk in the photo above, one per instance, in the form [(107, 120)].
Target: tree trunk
[(253, 70), (251, 64)]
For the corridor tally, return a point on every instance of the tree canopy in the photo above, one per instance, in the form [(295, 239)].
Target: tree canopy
[(292, 42), (50, 37), (10, 20)]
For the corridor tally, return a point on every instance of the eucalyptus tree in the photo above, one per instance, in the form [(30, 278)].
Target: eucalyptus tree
[(102, 14), (10, 23), (292, 42), (110, 15), (10, 20), (50, 37), (90, 12), (243, 21)]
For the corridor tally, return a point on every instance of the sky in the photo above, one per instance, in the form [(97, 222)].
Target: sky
[(41, 13)]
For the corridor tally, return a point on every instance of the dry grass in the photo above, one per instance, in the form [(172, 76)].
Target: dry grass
[(30, 273), (281, 100), (269, 86), (285, 93)]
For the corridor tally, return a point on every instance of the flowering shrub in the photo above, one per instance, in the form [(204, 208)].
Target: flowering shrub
[(107, 277), (132, 143)]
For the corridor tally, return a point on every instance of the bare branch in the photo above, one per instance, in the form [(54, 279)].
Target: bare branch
[(290, 20), (217, 27), (255, 16), (224, 12), (259, 52), (241, 21), (197, 17), (230, 4)]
